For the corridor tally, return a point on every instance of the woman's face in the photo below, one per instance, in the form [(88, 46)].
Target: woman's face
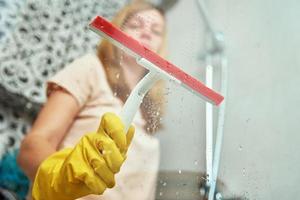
[(147, 27)]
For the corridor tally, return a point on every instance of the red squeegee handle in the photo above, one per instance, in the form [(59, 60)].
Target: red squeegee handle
[(111, 32)]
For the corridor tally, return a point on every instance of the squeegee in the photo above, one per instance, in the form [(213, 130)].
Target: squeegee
[(158, 67)]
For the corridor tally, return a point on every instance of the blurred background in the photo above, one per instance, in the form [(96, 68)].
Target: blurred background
[(259, 157)]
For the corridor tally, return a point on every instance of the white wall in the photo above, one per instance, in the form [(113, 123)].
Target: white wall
[(260, 151)]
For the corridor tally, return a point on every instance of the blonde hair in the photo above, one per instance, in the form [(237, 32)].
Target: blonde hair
[(152, 106)]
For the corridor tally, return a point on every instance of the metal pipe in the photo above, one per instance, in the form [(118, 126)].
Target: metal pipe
[(217, 48), (206, 19), (217, 38), (209, 123), (220, 127)]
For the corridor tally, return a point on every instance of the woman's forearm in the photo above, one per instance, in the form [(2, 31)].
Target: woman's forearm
[(34, 149)]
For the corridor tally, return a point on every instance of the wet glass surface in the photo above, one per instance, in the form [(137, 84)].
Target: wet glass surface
[(255, 47)]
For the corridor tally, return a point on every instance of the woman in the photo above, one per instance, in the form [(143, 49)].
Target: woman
[(65, 162)]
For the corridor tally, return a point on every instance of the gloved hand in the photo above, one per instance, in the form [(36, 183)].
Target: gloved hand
[(89, 167)]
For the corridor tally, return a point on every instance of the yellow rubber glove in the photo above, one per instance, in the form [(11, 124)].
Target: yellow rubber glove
[(88, 168)]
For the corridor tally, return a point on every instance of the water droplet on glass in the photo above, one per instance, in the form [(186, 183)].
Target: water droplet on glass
[(164, 184), (177, 193), (117, 75), (244, 172), (179, 171), (115, 94), (196, 162), (186, 77), (206, 177), (218, 196), (202, 191), (240, 148), (160, 193)]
